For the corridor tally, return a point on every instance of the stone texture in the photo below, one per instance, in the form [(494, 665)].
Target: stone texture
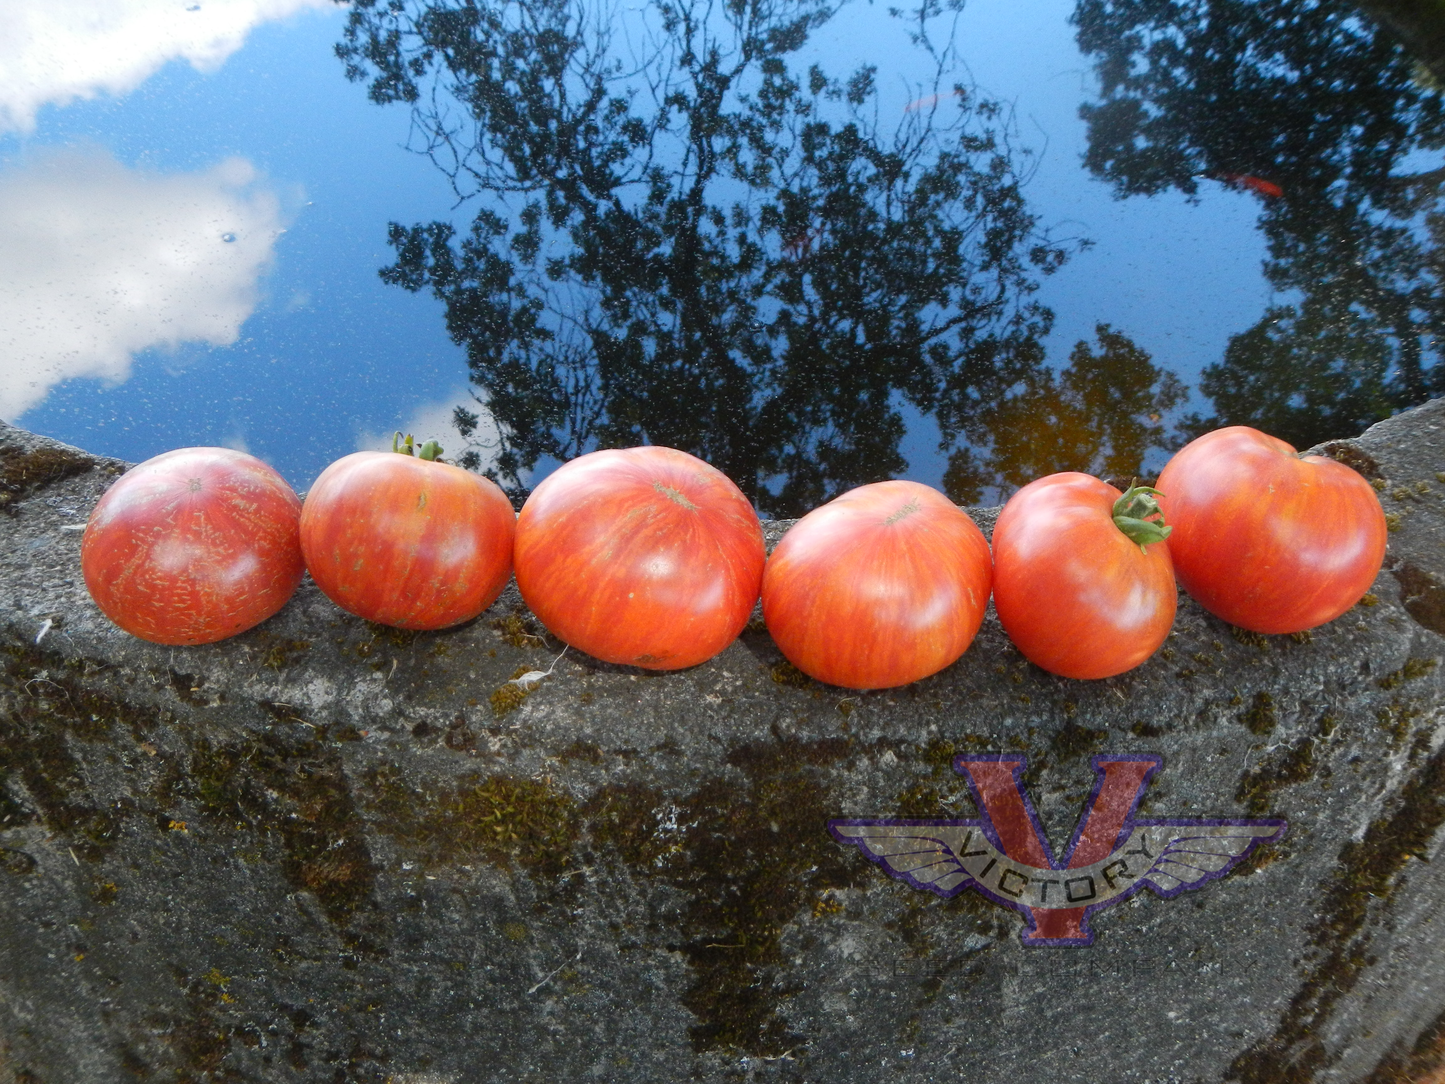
[(329, 851)]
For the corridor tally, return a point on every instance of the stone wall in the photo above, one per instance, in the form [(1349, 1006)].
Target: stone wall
[(331, 851)]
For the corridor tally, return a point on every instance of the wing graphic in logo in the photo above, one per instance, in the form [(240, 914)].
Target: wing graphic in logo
[(1004, 855), (926, 854), (1194, 855)]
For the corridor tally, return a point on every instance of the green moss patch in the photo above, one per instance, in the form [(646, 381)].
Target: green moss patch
[(785, 673), (1261, 717), (518, 631), (1353, 456), (1396, 718), (634, 820), (22, 472), (751, 861), (1072, 741), (43, 708), (1367, 877), (1250, 639), (502, 819), (941, 752), (1285, 767), (280, 653), (1416, 1064), (1423, 596), (919, 800), (293, 789), (749, 857), (1414, 668), (16, 862), (587, 751)]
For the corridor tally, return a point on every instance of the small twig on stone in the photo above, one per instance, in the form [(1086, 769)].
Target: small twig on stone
[(548, 978), (47, 681), (532, 677)]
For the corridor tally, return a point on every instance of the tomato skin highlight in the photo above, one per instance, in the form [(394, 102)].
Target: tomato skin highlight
[(407, 542), (193, 546), (641, 556), (879, 587), (1074, 593), (1265, 539)]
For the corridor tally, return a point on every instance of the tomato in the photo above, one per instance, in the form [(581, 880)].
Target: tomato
[(879, 587), (1266, 539), (1075, 594), (407, 542), (193, 546), (645, 556)]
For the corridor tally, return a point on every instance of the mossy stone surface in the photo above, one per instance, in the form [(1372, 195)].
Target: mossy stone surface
[(330, 851)]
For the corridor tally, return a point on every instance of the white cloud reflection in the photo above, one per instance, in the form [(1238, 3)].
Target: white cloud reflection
[(433, 421), (99, 261), (56, 51)]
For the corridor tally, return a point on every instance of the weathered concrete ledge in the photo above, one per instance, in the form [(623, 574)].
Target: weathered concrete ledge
[(328, 851)]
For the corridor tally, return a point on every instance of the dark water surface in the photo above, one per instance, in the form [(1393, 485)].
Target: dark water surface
[(816, 245)]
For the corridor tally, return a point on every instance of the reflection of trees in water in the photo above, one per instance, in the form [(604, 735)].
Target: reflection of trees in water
[(1101, 415), (685, 241), (1312, 98)]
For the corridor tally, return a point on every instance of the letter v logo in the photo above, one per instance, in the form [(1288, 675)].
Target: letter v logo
[(1005, 855)]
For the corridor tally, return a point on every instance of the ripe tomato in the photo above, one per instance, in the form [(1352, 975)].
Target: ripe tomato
[(1075, 594), (193, 546), (1266, 539), (407, 542), (645, 556), (879, 587)]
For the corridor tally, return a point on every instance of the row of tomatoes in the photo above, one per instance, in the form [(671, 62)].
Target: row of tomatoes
[(650, 557)]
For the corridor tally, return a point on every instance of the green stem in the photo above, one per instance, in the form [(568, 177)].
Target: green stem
[(1139, 516), (430, 451)]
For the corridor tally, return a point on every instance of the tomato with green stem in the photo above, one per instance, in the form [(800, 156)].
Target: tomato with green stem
[(1083, 581), (407, 540)]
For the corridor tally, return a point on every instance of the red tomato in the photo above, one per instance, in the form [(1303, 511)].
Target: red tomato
[(1074, 593), (1266, 539), (879, 587), (407, 542), (644, 556), (193, 546)]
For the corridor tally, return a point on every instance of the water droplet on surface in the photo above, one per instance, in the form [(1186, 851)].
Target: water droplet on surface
[(228, 237)]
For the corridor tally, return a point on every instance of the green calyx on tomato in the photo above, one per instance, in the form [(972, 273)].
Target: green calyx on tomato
[(431, 451), (1139, 516)]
